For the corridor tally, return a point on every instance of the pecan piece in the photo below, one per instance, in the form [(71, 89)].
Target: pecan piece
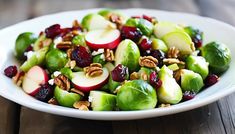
[(134, 76), (82, 105), (95, 69), (53, 101), (108, 54), (64, 45), (18, 78), (68, 37), (77, 91), (117, 19), (71, 64), (173, 61), (62, 82), (148, 61), (164, 105), (177, 74), (173, 52)]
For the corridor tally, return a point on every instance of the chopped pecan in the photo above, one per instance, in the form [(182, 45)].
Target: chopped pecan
[(18, 78), (173, 52), (45, 43), (76, 23), (62, 81), (68, 37), (95, 69), (77, 91), (71, 64), (173, 61), (134, 76), (75, 32), (117, 19), (164, 105), (108, 54), (53, 101), (177, 74), (69, 52), (64, 45), (82, 105), (148, 61)]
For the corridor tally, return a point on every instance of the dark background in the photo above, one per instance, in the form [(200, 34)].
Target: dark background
[(216, 118)]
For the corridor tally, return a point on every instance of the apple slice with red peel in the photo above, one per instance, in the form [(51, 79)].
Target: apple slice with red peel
[(35, 77), (103, 38), (86, 83)]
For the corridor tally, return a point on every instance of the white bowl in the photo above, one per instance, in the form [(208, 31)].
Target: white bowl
[(213, 30)]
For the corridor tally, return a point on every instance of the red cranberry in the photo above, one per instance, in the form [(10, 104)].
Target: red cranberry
[(188, 95), (211, 80), (132, 33), (197, 40), (29, 48), (148, 18), (159, 55), (45, 93), (145, 44), (64, 31), (53, 31), (120, 73), (82, 57), (10, 71), (154, 81)]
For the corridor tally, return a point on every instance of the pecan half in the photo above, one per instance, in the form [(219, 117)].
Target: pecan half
[(69, 52), (134, 76), (53, 101), (173, 52), (177, 74), (173, 61), (71, 64), (95, 69), (64, 45), (62, 81), (117, 19), (148, 61), (77, 91), (82, 105), (68, 37), (108, 54)]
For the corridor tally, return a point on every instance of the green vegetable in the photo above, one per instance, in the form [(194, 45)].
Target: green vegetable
[(191, 81), (145, 27), (102, 101), (193, 32), (67, 72), (112, 85), (218, 55), (132, 22), (23, 41), (38, 43), (99, 59), (136, 95), (55, 60), (158, 44), (79, 40)]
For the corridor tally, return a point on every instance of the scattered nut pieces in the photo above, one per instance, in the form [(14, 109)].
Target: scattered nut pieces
[(148, 61), (108, 54), (62, 81), (82, 105), (164, 105), (173, 61), (134, 76), (95, 69), (77, 91), (64, 45), (71, 64), (117, 19), (173, 52), (53, 101), (18, 78), (177, 74), (68, 37)]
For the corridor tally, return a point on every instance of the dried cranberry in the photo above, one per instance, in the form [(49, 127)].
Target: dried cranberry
[(132, 33), (148, 18), (211, 80), (188, 95), (82, 57), (154, 80), (120, 73), (10, 71), (64, 31), (197, 40), (159, 55), (45, 93), (29, 48), (145, 44), (53, 31)]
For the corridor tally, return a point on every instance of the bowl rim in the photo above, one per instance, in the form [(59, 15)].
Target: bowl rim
[(121, 115)]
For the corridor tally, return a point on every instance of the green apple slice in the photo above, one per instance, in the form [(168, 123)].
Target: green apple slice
[(181, 41), (170, 92), (158, 44), (163, 28), (102, 101), (128, 54), (96, 21), (66, 98)]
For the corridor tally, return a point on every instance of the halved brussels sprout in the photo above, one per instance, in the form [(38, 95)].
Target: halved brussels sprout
[(136, 95), (132, 22), (79, 40), (145, 27), (191, 81), (218, 55), (198, 64), (67, 72)]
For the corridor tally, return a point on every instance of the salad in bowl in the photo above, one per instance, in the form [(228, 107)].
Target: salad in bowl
[(111, 62)]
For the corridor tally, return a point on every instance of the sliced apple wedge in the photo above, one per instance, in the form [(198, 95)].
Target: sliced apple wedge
[(86, 83), (180, 40), (163, 28), (33, 79), (103, 38)]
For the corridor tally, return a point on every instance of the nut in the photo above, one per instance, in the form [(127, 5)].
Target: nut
[(64, 45), (62, 81), (134, 76), (108, 54), (53, 101), (75, 32), (177, 74), (144, 76), (173, 61), (164, 105), (68, 37), (18, 78), (77, 91), (71, 64), (117, 19), (82, 105), (95, 69), (148, 61), (173, 52), (69, 52), (76, 23)]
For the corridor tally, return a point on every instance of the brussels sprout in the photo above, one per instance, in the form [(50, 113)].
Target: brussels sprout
[(66, 98), (218, 55), (198, 64), (77, 69), (128, 54), (36, 59), (158, 44), (112, 85), (193, 32), (132, 22), (170, 92), (145, 27), (102, 101), (105, 88), (67, 72), (136, 95), (79, 40), (23, 41), (191, 81), (55, 60), (99, 59)]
